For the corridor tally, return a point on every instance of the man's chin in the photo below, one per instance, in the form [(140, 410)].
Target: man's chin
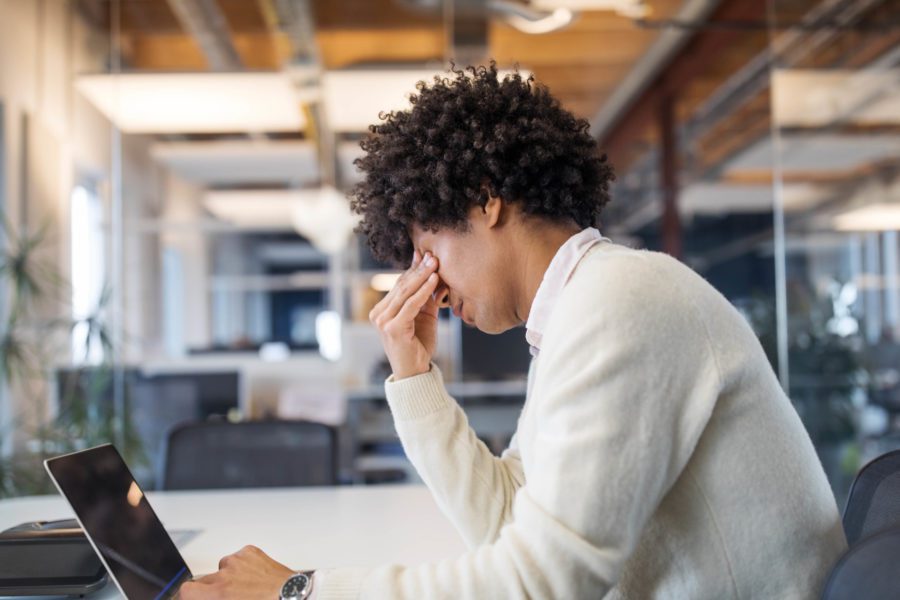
[(493, 328)]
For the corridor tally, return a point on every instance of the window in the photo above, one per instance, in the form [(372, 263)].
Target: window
[(87, 241)]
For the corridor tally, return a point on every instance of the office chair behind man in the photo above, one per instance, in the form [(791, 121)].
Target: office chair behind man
[(874, 501), (220, 454), (872, 525)]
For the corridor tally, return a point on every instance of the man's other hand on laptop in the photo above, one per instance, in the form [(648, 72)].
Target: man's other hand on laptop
[(247, 574)]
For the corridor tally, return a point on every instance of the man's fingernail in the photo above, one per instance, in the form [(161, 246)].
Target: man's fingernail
[(429, 261)]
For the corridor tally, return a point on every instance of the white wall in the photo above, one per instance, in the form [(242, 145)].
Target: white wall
[(43, 45)]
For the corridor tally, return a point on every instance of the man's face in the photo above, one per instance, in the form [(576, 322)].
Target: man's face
[(475, 275)]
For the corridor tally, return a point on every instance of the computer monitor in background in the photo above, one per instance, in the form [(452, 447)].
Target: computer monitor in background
[(155, 402), (212, 393), (499, 357)]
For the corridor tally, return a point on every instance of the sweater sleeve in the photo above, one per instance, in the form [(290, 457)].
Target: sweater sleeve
[(622, 392), (473, 488)]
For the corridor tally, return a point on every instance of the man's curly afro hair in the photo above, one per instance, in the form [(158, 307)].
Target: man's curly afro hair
[(468, 135)]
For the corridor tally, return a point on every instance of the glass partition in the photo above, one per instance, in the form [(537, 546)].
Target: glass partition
[(835, 154)]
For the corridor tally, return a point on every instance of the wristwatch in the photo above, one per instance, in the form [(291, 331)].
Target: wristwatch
[(297, 587)]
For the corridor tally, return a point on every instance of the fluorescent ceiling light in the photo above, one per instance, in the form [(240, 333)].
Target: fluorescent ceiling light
[(820, 97), (196, 102), (241, 162), (354, 97), (875, 217)]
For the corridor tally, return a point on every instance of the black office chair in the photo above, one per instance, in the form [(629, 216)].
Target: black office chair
[(869, 569), (874, 501), (251, 454)]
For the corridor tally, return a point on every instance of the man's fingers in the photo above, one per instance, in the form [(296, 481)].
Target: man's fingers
[(197, 589), (414, 303), (408, 285)]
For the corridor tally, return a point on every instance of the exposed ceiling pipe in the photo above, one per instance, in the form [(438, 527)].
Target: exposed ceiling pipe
[(520, 16), (791, 45), (649, 66), (205, 22), (296, 18), (529, 20), (466, 27)]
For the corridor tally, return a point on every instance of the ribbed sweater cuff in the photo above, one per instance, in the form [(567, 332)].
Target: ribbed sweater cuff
[(340, 584), (417, 396)]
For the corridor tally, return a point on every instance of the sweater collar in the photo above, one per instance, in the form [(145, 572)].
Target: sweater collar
[(555, 278)]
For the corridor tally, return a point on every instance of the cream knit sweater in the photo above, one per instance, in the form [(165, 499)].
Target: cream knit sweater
[(656, 456)]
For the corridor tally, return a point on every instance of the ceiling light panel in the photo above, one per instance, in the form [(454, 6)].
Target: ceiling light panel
[(241, 162), (820, 97), (875, 217), (196, 102)]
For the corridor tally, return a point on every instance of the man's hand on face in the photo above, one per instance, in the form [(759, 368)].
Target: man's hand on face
[(245, 575), (407, 318)]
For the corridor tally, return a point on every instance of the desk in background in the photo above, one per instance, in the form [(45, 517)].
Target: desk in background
[(492, 409), (303, 528)]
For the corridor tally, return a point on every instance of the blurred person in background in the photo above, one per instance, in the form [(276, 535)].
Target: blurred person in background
[(656, 455)]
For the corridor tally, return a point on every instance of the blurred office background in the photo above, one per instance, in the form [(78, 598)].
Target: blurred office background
[(179, 269)]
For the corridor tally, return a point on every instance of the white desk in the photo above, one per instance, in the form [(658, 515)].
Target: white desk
[(304, 528)]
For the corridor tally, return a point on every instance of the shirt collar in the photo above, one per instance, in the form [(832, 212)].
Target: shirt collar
[(555, 278)]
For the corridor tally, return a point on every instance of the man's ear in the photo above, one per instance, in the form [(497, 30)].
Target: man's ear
[(493, 211)]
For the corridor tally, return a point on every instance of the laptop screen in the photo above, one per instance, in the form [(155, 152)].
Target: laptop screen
[(120, 523)]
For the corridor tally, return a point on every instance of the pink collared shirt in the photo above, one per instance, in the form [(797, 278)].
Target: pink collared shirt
[(555, 278)]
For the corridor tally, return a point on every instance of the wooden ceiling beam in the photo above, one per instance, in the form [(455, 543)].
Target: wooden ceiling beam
[(571, 47), (180, 52), (698, 56), (563, 77), (371, 14), (166, 52), (345, 47)]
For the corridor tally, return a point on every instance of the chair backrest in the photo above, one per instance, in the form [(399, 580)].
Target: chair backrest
[(874, 501), (868, 570), (220, 454)]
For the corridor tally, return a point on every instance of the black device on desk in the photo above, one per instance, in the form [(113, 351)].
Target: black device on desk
[(119, 522), (48, 558)]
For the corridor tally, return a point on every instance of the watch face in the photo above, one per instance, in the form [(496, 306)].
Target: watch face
[(295, 586)]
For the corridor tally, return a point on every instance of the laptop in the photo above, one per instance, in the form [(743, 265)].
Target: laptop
[(119, 522)]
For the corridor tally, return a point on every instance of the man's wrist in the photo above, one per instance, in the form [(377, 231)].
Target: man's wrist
[(401, 375)]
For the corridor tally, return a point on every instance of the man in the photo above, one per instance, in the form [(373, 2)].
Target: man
[(656, 455)]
